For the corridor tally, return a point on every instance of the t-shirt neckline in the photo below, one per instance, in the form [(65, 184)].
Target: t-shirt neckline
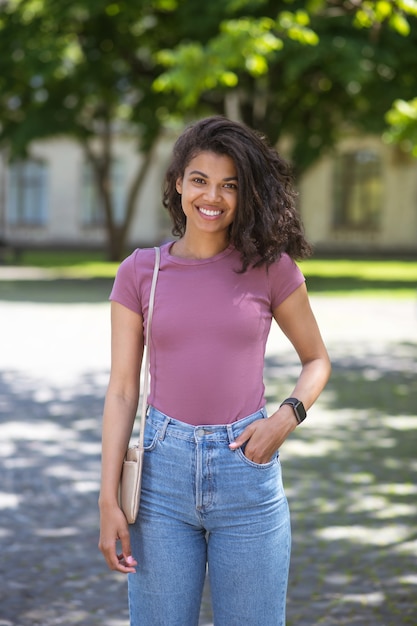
[(166, 248)]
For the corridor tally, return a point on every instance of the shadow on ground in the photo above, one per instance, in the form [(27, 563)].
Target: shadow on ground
[(56, 290), (350, 476), (50, 451)]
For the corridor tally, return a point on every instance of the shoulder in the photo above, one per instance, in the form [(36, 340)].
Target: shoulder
[(284, 263), (284, 277), (284, 266), (137, 263), (132, 274)]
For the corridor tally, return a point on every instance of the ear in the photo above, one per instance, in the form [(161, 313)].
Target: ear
[(178, 185)]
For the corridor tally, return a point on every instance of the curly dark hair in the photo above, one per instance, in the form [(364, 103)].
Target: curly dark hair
[(266, 223)]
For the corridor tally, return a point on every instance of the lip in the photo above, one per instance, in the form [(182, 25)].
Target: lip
[(209, 213)]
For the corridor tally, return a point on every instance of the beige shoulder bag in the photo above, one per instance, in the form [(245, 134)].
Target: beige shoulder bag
[(131, 476)]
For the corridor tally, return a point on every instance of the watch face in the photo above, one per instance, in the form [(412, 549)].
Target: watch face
[(298, 407), (300, 410)]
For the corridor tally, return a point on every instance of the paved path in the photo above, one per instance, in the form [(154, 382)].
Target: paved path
[(350, 471)]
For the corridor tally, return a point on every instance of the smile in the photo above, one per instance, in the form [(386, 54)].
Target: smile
[(209, 212)]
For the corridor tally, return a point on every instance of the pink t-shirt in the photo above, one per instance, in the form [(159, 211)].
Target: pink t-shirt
[(209, 329)]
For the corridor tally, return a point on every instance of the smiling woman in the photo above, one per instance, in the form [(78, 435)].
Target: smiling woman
[(208, 192), (266, 222), (212, 490)]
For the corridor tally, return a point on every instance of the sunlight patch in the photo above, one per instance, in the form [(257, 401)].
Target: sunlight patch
[(410, 579), (39, 431), (400, 422), (68, 531), (396, 489), (369, 503), (297, 447), (359, 534), (9, 500), (375, 598), (87, 486), (407, 547), (394, 510)]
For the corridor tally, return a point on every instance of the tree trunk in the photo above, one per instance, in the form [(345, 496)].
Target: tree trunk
[(116, 233)]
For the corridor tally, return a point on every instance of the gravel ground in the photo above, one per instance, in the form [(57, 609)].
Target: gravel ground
[(350, 471)]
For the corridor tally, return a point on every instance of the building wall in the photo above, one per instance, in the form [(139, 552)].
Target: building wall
[(65, 224), (396, 231)]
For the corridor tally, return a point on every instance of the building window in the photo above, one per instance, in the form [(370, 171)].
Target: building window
[(27, 198), (92, 204), (358, 190)]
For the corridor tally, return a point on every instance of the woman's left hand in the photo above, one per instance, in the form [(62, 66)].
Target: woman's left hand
[(265, 436)]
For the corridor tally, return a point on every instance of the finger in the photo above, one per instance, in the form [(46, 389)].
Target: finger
[(124, 537), (123, 563), (128, 560), (242, 439), (126, 564), (123, 569)]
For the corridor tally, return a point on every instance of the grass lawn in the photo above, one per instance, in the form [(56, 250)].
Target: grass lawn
[(361, 277), (71, 264), (355, 277)]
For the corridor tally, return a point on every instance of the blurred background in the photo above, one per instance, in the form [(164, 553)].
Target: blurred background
[(94, 92)]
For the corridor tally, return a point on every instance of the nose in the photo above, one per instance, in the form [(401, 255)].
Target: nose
[(212, 192)]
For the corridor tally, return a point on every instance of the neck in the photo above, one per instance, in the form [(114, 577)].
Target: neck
[(201, 249)]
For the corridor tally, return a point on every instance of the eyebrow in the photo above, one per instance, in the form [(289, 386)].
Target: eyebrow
[(206, 176)]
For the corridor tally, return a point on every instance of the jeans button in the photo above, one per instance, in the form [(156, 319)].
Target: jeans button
[(199, 432)]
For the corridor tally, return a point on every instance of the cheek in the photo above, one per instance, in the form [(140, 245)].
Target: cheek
[(182, 205)]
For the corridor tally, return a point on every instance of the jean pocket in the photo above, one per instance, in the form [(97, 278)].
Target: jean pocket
[(241, 455)]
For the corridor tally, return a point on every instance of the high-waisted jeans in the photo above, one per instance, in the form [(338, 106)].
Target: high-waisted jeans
[(203, 504)]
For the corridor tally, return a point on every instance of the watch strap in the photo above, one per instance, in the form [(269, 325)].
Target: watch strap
[(298, 408)]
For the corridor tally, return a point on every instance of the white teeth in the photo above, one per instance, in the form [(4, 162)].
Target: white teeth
[(209, 213)]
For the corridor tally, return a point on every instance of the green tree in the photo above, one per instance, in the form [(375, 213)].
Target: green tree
[(93, 69), (84, 69), (402, 120), (312, 74)]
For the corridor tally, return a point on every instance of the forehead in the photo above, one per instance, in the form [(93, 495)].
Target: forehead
[(212, 163)]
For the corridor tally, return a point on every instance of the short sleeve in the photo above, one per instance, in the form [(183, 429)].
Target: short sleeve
[(125, 287), (284, 278)]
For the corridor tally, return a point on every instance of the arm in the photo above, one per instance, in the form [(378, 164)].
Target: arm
[(296, 320), (119, 414)]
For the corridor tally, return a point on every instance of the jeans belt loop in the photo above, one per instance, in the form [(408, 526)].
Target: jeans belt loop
[(230, 432), (163, 429)]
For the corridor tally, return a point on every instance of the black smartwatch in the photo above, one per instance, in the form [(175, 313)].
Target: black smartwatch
[(298, 408)]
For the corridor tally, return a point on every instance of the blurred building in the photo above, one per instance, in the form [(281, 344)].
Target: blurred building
[(360, 200)]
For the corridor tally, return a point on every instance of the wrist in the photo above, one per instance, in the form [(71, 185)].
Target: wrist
[(107, 501), (297, 407), (283, 421)]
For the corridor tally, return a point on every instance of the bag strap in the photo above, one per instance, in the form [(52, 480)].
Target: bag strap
[(147, 347)]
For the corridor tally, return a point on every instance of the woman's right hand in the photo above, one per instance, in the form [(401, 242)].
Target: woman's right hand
[(114, 528), (118, 417)]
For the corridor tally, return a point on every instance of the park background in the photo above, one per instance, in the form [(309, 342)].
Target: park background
[(92, 95)]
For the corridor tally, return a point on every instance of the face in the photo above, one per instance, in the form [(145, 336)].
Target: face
[(209, 193)]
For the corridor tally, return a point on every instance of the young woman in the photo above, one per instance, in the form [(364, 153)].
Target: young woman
[(211, 488)]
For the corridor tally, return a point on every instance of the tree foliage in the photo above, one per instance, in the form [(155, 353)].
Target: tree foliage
[(308, 70), (402, 120), (84, 69)]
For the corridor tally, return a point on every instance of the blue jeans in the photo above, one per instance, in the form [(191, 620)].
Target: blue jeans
[(203, 504)]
